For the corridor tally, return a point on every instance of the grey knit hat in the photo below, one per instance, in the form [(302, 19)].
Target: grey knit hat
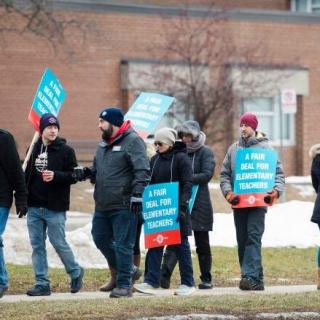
[(166, 135), (189, 127)]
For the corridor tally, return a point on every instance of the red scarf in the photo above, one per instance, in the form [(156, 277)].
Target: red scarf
[(124, 127)]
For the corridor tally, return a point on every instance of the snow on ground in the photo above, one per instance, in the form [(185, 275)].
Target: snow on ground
[(299, 179), (287, 224)]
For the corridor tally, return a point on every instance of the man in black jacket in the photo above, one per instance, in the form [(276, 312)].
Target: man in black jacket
[(12, 180), (121, 171), (49, 174)]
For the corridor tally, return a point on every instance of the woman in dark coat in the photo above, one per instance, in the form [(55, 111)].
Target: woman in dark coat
[(203, 165), (171, 164), (315, 176)]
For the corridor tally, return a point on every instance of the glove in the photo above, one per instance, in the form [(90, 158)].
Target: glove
[(21, 211), (271, 197), (81, 174), (136, 203), (233, 198)]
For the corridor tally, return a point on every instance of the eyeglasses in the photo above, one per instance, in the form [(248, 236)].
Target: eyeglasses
[(158, 143)]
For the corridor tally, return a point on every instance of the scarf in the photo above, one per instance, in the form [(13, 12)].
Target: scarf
[(197, 144)]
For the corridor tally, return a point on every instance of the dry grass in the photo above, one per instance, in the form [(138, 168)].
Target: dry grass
[(278, 267), (245, 305)]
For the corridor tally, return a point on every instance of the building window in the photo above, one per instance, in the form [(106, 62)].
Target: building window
[(268, 112), (306, 6)]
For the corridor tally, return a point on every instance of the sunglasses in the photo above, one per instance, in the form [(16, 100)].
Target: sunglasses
[(158, 143)]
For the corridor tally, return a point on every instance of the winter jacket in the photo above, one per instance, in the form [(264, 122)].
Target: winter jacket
[(11, 174), (121, 170), (315, 177), (229, 163), (203, 165), (175, 166), (61, 160)]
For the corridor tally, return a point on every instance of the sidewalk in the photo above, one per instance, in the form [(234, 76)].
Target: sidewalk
[(161, 293)]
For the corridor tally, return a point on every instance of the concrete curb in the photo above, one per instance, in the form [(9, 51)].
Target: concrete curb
[(161, 293)]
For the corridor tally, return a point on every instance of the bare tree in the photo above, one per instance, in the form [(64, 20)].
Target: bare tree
[(38, 17), (197, 59)]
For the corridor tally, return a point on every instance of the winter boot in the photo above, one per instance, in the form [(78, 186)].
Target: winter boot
[(137, 260), (108, 286), (205, 263), (137, 273), (168, 264)]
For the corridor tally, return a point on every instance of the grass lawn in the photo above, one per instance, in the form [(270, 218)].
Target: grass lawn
[(282, 266)]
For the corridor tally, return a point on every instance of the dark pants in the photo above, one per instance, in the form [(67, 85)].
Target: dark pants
[(136, 248), (153, 264), (114, 234), (204, 254), (249, 223)]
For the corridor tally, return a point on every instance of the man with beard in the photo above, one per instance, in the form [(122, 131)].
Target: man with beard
[(121, 172)]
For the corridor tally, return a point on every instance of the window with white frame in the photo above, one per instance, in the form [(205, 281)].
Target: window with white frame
[(267, 111), (306, 5)]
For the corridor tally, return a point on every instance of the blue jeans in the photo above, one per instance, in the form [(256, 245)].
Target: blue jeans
[(4, 213), (249, 223), (154, 258), (42, 221), (114, 234)]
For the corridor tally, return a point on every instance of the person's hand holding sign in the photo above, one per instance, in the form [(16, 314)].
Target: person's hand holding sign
[(271, 197), (233, 198)]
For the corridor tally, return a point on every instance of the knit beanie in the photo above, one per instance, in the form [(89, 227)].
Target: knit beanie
[(166, 135), (113, 116), (189, 127), (48, 119), (314, 150), (250, 120)]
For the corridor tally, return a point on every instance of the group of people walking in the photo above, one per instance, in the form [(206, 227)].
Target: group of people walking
[(120, 172)]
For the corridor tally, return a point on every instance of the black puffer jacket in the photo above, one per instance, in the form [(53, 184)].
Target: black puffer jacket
[(203, 165), (11, 175), (61, 160), (315, 176), (175, 166)]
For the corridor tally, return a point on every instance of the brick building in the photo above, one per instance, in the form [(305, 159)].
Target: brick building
[(97, 74)]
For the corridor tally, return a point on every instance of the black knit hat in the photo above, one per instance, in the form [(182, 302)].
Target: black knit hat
[(48, 119), (113, 116)]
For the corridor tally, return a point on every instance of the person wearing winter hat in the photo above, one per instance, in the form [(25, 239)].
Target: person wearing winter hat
[(49, 174), (121, 171), (47, 120), (171, 164), (314, 154), (249, 222), (203, 164)]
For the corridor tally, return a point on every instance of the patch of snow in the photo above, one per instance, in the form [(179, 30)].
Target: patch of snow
[(298, 179), (289, 315), (194, 316), (214, 186), (304, 190), (287, 225)]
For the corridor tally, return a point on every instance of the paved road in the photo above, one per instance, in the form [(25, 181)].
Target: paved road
[(162, 293)]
